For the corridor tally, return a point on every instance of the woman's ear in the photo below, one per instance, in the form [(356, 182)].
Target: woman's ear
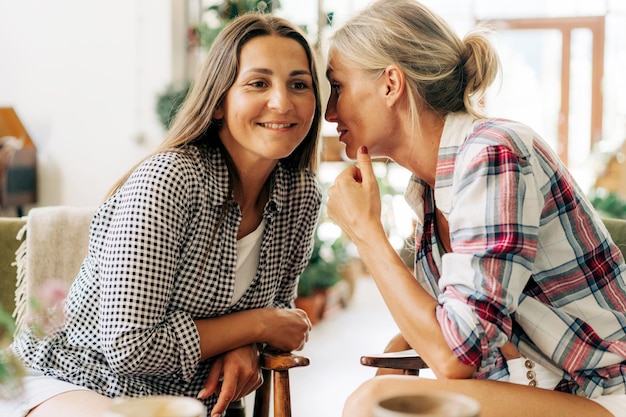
[(395, 83), (218, 113)]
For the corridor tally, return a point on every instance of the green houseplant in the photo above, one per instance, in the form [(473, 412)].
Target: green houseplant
[(324, 268), (169, 101), (202, 35), (11, 370), (323, 272), (609, 204)]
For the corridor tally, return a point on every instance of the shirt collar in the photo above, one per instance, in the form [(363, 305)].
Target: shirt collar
[(456, 128), (218, 181)]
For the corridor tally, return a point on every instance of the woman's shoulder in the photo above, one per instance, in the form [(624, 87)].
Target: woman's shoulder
[(502, 125), (185, 160), (297, 183), (176, 169), (182, 156), (310, 181), (516, 136)]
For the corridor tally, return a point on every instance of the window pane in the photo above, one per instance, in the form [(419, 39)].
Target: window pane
[(580, 98), (530, 88)]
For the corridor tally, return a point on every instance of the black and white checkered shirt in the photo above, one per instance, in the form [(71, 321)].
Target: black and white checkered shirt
[(150, 272)]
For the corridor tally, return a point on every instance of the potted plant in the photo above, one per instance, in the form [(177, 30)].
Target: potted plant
[(202, 35), (322, 273), (46, 307)]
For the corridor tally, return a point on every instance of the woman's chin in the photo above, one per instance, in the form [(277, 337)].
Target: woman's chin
[(350, 152)]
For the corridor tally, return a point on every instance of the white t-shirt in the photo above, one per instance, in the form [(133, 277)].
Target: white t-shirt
[(248, 250)]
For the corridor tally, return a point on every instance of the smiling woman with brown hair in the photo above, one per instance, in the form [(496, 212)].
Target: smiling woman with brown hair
[(194, 258)]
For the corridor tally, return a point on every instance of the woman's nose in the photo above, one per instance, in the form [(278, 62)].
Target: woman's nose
[(280, 100), (331, 111)]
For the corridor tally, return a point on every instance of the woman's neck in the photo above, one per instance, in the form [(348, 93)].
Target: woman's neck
[(420, 152), (251, 195)]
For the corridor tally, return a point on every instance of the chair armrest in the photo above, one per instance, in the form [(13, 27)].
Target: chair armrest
[(275, 366), (407, 360), (274, 360)]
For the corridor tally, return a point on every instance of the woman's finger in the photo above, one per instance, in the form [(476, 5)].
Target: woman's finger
[(227, 394), (213, 379), (364, 162)]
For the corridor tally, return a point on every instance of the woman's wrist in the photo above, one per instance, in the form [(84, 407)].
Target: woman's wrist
[(261, 319), (369, 235)]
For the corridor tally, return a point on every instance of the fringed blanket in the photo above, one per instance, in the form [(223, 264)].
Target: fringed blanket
[(54, 247)]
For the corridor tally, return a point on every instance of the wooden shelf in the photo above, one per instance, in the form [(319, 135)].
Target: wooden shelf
[(333, 150), (18, 168)]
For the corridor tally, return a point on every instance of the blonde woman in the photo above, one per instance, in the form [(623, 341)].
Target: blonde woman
[(194, 258), (513, 267)]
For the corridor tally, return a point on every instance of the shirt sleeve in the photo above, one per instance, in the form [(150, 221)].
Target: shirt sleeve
[(140, 334), (494, 237)]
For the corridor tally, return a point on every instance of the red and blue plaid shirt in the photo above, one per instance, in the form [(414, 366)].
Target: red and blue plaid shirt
[(531, 260)]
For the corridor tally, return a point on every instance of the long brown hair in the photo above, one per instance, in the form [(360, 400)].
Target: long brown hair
[(194, 123)]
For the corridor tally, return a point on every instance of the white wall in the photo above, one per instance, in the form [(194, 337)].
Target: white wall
[(82, 76)]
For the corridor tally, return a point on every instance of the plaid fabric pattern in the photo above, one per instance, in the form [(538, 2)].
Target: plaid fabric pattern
[(531, 260), (151, 271)]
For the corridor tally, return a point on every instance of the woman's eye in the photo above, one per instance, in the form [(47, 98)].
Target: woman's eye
[(300, 85), (259, 84), (335, 87)]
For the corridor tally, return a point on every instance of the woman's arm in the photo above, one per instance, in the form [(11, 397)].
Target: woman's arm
[(283, 329), (494, 223), (413, 309), (138, 261), (354, 203)]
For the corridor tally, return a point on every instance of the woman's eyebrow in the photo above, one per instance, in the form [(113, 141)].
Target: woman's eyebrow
[(300, 72), (268, 71)]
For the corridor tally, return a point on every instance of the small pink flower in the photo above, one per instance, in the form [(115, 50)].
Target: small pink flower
[(47, 306), (52, 293)]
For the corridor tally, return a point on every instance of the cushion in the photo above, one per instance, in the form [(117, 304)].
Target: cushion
[(9, 228), (617, 229), (55, 246)]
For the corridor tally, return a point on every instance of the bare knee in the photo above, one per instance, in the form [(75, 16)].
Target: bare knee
[(73, 404), (360, 402)]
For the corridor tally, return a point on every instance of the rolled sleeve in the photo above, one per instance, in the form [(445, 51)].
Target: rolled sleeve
[(494, 241), (188, 340)]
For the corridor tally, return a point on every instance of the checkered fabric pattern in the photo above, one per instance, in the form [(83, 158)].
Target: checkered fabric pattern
[(531, 260), (151, 271)]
